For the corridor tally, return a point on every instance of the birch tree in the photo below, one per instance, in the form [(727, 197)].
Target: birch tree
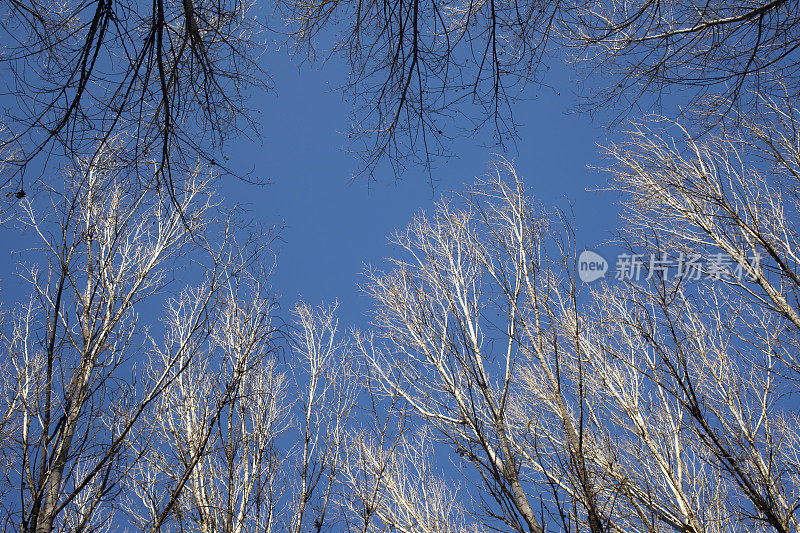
[(69, 401), (325, 396), (240, 441), (210, 461), (399, 486), (734, 195), (474, 272), (661, 404)]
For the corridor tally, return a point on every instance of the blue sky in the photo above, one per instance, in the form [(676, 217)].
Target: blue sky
[(333, 225)]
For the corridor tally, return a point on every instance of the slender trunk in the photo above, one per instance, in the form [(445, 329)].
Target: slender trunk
[(509, 470)]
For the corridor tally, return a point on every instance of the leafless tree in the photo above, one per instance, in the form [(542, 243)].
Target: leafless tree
[(473, 273), (736, 192), (170, 78), (424, 71), (370, 448), (325, 396), (418, 67), (210, 459), (653, 406), (735, 195), (75, 392), (231, 448), (400, 485), (731, 52), (105, 424)]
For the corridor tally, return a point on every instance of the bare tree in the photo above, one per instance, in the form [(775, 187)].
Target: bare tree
[(169, 78), (419, 68), (325, 396), (731, 52), (735, 193), (222, 452), (400, 485), (75, 394), (210, 458), (653, 406), (424, 72), (466, 266), (735, 369)]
